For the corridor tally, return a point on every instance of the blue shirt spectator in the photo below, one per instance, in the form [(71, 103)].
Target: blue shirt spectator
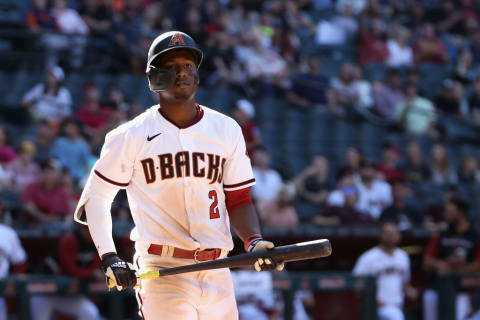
[(72, 150)]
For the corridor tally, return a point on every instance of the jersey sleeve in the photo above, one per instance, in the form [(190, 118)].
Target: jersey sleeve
[(117, 159), (238, 172), (17, 253), (362, 266), (112, 171), (407, 275)]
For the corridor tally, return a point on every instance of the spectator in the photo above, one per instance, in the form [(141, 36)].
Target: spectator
[(357, 6), (97, 17), (458, 18), (77, 258), (416, 114), (279, 213), (400, 53), (353, 159), (313, 183), (372, 47), (7, 154), (40, 17), (389, 168), (70, 23), (261, 63), (92, 114), (388, 94), (400, 212), (348, 89), (428, 48), (268, 181), (434, 213), (72, 150), (308, 89), (49, 100), (221, 63), (468, 172), (23, 170), (337, 30), (341, 203), (465, 71), (415, 169), (45, 201), (449, 101), (374, 195), (45, 134), (155, 20), (68, 19), (391, 267), (442, 172), (363, 89), (126, 32), (452, 250), (244, 113), (11, 254)]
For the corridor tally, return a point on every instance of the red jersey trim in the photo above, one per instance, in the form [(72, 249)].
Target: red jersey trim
[(197, 118), (239, 184), (110, 181)]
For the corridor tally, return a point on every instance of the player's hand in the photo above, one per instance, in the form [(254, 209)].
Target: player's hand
[(263, 264), (118, 270)]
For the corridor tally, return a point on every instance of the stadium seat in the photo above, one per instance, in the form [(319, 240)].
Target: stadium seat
[(74, 82), (374, 71), (130, 85), (432, 76)]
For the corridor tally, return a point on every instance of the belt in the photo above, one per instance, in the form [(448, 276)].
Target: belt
[(197, 255)]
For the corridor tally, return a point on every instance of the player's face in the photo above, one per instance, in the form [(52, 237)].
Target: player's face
[(390, 236), (186, 82)]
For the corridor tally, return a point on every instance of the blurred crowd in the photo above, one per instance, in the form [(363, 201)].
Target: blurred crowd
[(257, 49)]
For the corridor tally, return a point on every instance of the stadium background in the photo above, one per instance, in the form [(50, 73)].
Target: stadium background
[(325, 78)]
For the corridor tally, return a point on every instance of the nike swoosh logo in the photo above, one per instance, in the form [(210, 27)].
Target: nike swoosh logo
[(153, 137)]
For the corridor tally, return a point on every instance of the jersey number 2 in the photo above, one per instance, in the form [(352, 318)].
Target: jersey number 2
[(214, 211)]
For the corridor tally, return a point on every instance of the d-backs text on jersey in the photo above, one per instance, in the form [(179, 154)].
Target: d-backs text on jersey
[(184, 163)]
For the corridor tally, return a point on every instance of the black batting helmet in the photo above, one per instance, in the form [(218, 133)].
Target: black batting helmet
[(162, 79)]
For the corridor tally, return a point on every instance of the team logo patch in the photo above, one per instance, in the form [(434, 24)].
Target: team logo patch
[(176, 40)]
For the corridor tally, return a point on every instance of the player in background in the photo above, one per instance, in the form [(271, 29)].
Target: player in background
[(187, 175), (75, 257), (11, 254), (391, 266), (454, 250)]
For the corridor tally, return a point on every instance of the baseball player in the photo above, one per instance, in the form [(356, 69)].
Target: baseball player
[(187, 174), (391, 266)]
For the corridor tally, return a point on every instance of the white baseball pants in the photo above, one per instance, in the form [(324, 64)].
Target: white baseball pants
[(204, 295)]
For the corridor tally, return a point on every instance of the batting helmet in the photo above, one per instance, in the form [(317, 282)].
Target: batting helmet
[(162, 79)]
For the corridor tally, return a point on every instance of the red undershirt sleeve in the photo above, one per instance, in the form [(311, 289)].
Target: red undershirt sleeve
[(238, 198), (432, 246)]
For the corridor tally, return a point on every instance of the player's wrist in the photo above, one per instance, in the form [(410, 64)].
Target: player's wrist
[(251, 241), (108, 255)]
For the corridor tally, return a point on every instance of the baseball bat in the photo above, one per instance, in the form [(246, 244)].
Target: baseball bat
[(299, 251)]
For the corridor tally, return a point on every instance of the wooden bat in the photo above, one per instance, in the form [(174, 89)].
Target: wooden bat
[(299, 251)]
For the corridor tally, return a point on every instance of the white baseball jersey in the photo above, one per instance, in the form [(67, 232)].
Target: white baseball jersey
[(392, 273), (175, 177), (11, 250)]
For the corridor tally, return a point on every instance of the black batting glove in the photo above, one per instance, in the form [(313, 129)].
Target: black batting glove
[(118, 270)]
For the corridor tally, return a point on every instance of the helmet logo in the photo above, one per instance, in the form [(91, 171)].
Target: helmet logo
[(176, 40)]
